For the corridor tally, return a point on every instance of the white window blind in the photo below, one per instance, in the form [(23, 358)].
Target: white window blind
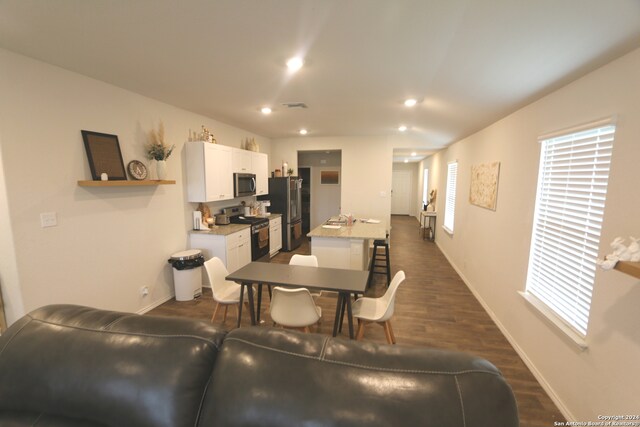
[(572, 187), (450, 202)]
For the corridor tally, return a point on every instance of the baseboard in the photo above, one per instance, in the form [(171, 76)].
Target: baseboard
[(536, 373), (154, 304)]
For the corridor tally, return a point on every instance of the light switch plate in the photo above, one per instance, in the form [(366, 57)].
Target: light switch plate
[(48, 219)]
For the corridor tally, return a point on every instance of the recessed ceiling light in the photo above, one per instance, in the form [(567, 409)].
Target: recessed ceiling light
[(402, 128), (410, 102), (303, 131), (265, 110), (295, 63), (406, 161), (413, 154)]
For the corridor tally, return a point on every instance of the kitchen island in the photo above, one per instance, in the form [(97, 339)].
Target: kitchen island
[(345, 246)]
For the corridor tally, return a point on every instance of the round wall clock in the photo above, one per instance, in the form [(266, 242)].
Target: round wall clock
[(137, 170)]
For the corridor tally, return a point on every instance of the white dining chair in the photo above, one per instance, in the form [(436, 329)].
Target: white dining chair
[(225, 292), (378, 310), (307, 261), (294, 308)]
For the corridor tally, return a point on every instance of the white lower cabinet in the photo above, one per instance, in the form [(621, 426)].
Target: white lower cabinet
[(275, 235), (233, 249)]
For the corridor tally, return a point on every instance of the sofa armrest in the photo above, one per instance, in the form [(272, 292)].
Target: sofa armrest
[(95, 367)]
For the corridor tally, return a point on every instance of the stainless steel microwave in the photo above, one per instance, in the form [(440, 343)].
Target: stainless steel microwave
[(244, 184)]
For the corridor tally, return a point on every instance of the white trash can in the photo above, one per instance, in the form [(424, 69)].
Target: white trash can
[(187, 274)]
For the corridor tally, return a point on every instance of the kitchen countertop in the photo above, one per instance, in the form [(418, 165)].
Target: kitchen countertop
[(222, 230), (225, 230), (359, 230)]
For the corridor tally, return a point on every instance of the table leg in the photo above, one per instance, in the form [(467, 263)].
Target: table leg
[(251, 306), (344, 303), (350, 317), (338, 310), (241, 303), (259, 303)]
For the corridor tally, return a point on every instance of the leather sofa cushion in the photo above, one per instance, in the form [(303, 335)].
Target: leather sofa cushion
[(272, 377), (100, 368)]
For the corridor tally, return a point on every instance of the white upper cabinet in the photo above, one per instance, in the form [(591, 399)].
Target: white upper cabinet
[(241, 161), (260, 166), (209, 172)]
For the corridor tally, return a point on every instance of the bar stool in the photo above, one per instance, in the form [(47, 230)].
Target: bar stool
[(380, 261)]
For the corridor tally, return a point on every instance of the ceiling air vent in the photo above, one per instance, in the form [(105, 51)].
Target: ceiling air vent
[(295, 105)]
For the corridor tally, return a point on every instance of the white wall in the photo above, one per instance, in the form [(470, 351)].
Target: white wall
[(491, 249), (366, 170), (109, 241)]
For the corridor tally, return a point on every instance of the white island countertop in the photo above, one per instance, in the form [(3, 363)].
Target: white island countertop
[(359, 230)]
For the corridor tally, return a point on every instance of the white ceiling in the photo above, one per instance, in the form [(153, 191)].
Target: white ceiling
[(468, 62)]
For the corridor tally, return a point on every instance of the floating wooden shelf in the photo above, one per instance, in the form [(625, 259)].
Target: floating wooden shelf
[(123, 183), (628, 267)]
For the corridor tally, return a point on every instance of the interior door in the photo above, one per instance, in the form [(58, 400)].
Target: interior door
[(401, 192)]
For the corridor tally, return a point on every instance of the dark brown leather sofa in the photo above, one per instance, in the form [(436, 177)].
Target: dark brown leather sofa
[(74, 366)]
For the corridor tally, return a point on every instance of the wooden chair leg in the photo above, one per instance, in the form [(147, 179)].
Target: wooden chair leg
[(224, 316), (307, 330), (393, 337), (215, 311), (388, 332), (360, 332)]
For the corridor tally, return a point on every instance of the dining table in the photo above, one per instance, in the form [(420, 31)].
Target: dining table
[(343, 281)]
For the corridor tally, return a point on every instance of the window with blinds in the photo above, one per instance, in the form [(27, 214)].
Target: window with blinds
[(450, 201), (572, 188)]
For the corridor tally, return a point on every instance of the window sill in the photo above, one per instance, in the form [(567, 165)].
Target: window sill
[(555, 320), (446, 230)]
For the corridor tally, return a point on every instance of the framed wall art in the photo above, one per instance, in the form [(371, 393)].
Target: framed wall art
[(484, 185), (329, 177), (104, 155)]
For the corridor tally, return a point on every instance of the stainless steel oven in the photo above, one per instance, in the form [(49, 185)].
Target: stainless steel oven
[(244, 184)]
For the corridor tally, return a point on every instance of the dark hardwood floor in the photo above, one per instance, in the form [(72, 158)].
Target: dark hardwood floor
[(434, 308)]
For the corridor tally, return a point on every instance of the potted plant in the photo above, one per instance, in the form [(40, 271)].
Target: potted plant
[(159, 150)]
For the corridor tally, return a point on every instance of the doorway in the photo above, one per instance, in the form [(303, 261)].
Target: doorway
[(324, 195), (401, 192), (305, 174)]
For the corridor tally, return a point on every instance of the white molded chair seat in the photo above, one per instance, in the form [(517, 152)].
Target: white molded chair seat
[(225, 292), (294, 308), (379, 310)]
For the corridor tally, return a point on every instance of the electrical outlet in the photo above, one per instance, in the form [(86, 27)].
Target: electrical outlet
[(144, 291), (48, 219)]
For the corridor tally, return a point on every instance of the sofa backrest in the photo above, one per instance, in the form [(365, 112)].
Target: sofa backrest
[(70, 365), (273, 377)]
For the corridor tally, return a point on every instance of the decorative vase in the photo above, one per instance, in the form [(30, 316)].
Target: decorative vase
[(161, 169)]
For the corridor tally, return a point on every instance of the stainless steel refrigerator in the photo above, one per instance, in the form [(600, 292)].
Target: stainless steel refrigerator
[(285, 197)]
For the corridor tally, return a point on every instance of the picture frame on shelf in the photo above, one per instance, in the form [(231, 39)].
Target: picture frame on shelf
[(104, 155)]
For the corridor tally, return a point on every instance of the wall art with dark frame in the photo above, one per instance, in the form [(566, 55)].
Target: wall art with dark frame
[(104, 155)]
